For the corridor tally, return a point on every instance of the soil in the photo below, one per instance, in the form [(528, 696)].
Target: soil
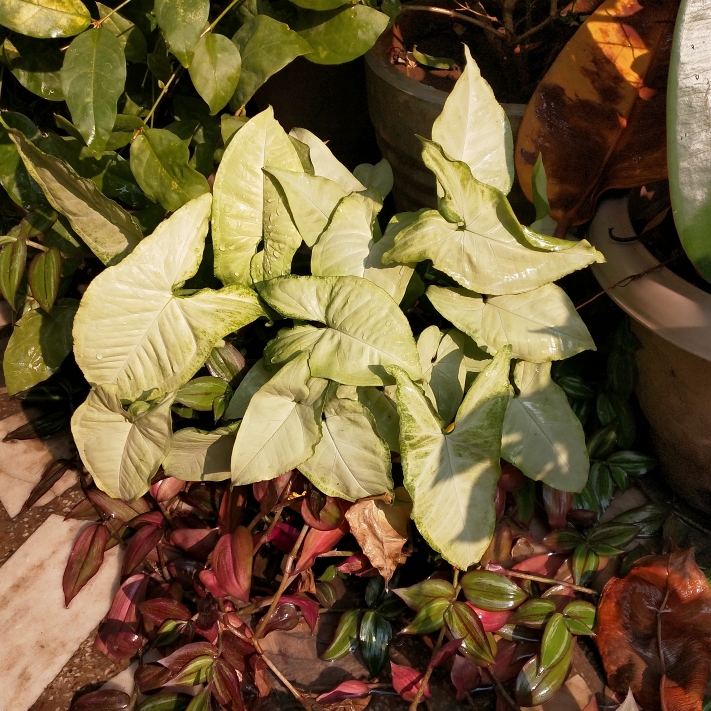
[(513, 72)]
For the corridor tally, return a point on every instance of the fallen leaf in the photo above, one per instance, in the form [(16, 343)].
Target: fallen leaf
[(381, 531), (664, 600)]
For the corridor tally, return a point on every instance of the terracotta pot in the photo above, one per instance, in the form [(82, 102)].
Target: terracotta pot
[(672, 319), (400, 108)]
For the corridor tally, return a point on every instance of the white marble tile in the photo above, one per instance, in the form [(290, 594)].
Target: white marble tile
[(38, 635), (22, 463)]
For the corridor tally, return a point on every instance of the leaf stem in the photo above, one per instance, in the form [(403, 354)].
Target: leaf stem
[(428, 673), (285, 582), (98, 23), (456, 15), (550, 581), (270, 528), (36, 245), (211, 27), (163, 92)]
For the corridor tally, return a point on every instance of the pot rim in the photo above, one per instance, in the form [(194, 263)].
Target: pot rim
[(377, 60), (662, 301)]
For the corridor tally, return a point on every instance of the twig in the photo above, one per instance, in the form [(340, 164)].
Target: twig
[(255, 521), (211, 27), (452, 13), (163, 92), (270, 528), (552, 15), (309, 705), (98, 23), (550, 581), (500, 687), (336, 554), (285, 582), (428, 673)]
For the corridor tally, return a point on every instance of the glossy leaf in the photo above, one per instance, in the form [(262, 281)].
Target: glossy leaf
[(45, 18), (170, 335), (130, 37), (489, 253), (36, 65), (429, 618), (474, 128), (140, 545), (633, 463), (246, 202), (199, 393), (318, 542), (12, 268), (375, 634), (584, 564), (215, 70), (93, 77), (535, 686), (607, 88), (378, 176), (631, 627), (85, 560), (534, 613), (611, 538), (43, 276), (351, 689), (556, 643), (159, 161), (108, 230), (542, 436), (232, 563), (648, 519), (491, 591), (38, 346), (454, 471), (341, 35), (463, 623), (266, 46), (418, 595), (364, 325), (346, 638), (579, 617), (182, 22)]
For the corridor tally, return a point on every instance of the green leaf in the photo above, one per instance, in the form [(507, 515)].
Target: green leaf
[(121, 452), (43, 276), (579, 617), (689, 133), (435, 62), (282, 424), (346, 638), (350, 462), (18, 183), (242, 206), (36, 65), (215, 70), (584, 564), (542, 435), (375, 635), (12, 268), (195, 672), (452, 477), (182, 22), (491, 591), (535, 687), (634, 463), (429, 618), (159, 160), (540, 189), (533, 613), (601, 442), (199, 393), (341, 35), (131, 39), (465, 624), (648, 519), (488, 253), (383, 407), (38, 346), (474, 128), (289, 342), (132, 329), (419, 595), (257, 376), (311, 200), (45, 18), (325, 164), (611, 538), (556, 642), (166, 702), (378, 176), (197, 455), (93, 77), (266, 47), (108, 230), (225, 362), (365, 328), (575, 386), (320, 5)]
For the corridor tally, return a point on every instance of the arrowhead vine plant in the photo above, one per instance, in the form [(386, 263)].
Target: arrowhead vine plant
[(271, 371)]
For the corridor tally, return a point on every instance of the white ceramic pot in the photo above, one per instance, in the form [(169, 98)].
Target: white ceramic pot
[(672, 319)]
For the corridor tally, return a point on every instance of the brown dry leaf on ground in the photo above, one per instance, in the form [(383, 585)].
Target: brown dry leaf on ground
[(654, 632), (381, 531)]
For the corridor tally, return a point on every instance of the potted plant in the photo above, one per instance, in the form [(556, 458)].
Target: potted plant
[(626, 143)]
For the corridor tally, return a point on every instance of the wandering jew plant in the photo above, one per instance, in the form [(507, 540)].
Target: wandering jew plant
[(344, 384)]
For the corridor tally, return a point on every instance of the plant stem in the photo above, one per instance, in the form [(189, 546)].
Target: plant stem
[(285, 582), (36, 245), (211, 27), (550, 581), (452, 13), (500, 687), (98, 23), (428, 673), (267, 533), (164, 91)]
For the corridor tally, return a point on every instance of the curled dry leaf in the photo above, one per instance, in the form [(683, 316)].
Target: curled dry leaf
[(598, 115), (654, 632), (381, 531)]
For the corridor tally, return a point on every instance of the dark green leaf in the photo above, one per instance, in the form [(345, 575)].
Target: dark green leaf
[(648, 519), (584, 564), (419, 595), (611, 408), (215, 70), (392, 607), (587, 499), (525, 500), (341, 35), (579, 617), (619, 477), (602, 442), (518, 633), (93, 77), (464, 623), (320, 5), (131, 39), (556, 642), (429, 618), (600, 480), (182, 22), (266, 46), (376, 585), (159, 66), (325, 593), (36, 65), (533, 613), (375, 636), (165, 702), (611, 538), (45, 18), (574, 386), (634, 463), (43, 275), (200, 393), (622, 372), (18, 183), (581, 408), (563, 540), (491, 591), (346, 638), (534, 687), (159, 161), (12, 269)]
